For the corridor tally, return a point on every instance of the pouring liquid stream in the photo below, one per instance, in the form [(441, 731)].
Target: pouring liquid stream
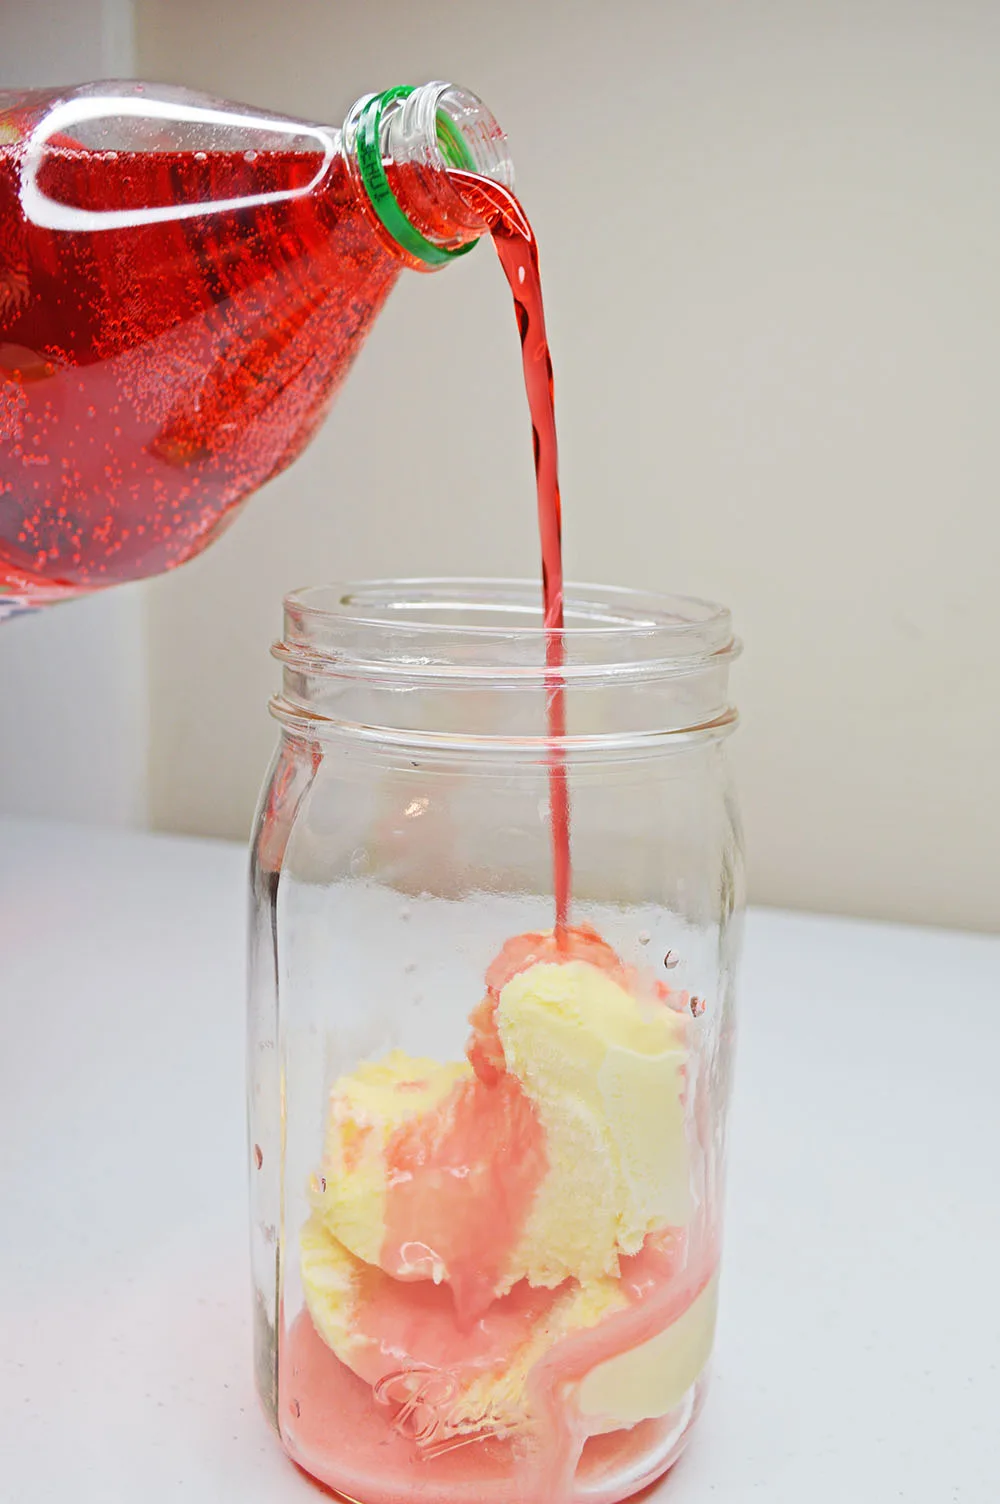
[(517, 249)]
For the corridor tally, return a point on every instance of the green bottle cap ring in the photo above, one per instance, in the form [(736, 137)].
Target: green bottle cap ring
[(383, 200)]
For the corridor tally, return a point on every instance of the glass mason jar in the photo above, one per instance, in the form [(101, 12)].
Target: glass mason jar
[(487, 1155)]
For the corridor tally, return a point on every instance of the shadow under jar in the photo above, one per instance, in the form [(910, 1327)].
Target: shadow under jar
[(487, 1155)]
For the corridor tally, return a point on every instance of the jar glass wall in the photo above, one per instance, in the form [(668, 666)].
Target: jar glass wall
[(487, 1159)]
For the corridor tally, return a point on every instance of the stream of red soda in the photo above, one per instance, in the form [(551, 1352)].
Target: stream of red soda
[(517, 249)]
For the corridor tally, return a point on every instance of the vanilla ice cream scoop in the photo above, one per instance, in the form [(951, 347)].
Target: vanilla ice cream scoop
[(367, 1108), (605, 1072), (429, 1174), (550, 1163)]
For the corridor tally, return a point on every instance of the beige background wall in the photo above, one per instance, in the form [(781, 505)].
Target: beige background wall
[(771, 238)]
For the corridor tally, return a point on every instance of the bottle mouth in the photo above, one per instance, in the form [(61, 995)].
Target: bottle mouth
[(465, 132), (427, 131)]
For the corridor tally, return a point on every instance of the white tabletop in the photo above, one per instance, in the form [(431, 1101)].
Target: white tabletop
[(859, 1341)]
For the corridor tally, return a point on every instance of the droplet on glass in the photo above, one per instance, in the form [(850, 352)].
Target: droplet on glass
[(258, 1155), (296, 1409), (697, 1006), (643, 937), (670, 960)]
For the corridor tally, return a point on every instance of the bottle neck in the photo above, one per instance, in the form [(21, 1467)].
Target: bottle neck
[(401, 144)]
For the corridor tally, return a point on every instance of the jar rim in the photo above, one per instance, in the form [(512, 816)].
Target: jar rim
[(476, 629), (460, 666)]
